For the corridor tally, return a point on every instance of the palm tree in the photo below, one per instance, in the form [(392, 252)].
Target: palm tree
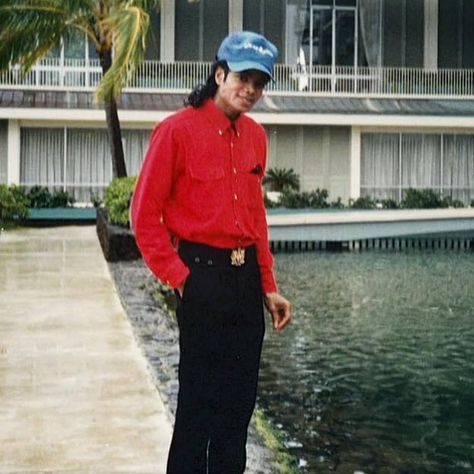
[(30, 29), (281, 179)]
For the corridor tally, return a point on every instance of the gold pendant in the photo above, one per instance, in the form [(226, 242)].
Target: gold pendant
[(237, 257)]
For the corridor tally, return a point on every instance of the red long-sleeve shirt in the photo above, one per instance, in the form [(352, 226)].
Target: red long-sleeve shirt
[(201, 182)]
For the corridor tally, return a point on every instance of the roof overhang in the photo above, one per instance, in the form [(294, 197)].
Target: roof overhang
[(146, 109)]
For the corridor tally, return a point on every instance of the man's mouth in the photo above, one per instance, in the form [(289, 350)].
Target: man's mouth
[(248, 100)]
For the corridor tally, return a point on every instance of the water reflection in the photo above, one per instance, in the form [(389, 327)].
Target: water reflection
[(376, 373)]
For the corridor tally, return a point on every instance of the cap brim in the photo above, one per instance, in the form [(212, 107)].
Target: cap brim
[(248, 65)]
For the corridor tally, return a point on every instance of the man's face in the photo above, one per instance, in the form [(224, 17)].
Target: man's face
[(239, 91)]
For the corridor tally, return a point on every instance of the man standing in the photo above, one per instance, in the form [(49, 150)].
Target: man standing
[(199, 220)]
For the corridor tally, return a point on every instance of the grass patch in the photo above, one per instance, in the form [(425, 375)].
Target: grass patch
[(286, 462)]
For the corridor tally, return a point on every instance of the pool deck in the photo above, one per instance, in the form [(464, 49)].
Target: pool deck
[(348, 225), (76, 393)]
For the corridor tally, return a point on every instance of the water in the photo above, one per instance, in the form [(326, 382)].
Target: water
[(376, 373)]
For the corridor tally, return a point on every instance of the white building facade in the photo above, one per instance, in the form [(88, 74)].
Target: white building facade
[(372, 97)]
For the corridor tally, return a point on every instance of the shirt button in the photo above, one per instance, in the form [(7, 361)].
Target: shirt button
[(197, 260), (210, 263), (235, 197), (234, 170)]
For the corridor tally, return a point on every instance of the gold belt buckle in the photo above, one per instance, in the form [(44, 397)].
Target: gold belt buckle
[(237, 257)]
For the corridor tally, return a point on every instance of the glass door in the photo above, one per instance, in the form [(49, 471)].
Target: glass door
[(345, 32), (329, 42)]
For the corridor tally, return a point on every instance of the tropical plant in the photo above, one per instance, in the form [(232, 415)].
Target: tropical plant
[(281, 179), (13, 205), (41, 197), (363, 202), (422, 199), (316, 199), (30, 29), (118, 196)]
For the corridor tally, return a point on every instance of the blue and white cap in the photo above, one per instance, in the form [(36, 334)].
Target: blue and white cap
[(247, 50)]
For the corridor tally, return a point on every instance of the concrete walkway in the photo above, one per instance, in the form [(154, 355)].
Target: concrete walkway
[(76, 395)]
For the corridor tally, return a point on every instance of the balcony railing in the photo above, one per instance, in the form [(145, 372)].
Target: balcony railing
[(327, 81)]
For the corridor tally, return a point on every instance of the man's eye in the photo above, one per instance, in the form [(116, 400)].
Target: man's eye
[(244, 78)]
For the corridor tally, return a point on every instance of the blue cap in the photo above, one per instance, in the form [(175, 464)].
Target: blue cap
[(247, 50)]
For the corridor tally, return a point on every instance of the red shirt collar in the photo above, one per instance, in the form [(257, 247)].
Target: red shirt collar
[(220, 120)]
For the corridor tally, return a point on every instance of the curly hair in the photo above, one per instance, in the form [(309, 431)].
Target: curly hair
[(203, 92)]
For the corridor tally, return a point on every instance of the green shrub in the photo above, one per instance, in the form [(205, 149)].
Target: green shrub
[(294, 200), (363, 202), (13, 204), (317, 199), (390, 204), (450, 202), (117, 200), (422, 199), (96, 200), (41, 197), (61, 199), (338, 204)]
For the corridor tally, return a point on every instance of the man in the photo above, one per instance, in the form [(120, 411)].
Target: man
[(200, 222)]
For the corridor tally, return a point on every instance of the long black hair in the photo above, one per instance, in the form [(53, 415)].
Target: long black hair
[(203, 92)]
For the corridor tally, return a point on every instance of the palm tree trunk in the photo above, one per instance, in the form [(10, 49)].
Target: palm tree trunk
[(114, 131)]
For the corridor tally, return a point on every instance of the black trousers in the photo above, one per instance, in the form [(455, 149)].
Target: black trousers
[(221, 326)]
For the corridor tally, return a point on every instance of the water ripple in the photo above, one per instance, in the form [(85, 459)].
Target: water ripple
[(375, 374)]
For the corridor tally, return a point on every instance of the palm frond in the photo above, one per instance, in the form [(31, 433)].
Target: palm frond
[(129, 27), (29, 29)]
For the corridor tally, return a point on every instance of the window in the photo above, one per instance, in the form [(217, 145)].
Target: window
[(323, 33), (200, 27), (391, 163), (76, 160)]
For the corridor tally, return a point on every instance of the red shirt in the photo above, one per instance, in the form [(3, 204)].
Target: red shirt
[(201, 181)]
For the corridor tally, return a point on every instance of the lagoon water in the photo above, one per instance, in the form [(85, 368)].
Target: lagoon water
[(376, 373)]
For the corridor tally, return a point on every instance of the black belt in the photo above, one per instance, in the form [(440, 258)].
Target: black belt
[(192, 252)]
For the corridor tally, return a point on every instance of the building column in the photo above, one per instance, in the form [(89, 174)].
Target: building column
[(13, 145), (430, 56), (167, 35), (236, 15), (355, 163)]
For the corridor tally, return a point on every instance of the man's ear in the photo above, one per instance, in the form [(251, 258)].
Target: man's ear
[(219, 76)]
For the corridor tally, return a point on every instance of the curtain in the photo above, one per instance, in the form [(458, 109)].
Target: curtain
[(296, 14), (370, 21), (135, 147), (89, 166), (380, 165), (88, 163), (458, 167), (443, 163), (421, 161), (42, 157)]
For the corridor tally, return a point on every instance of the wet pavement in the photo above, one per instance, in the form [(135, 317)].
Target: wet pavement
[(76, 392)]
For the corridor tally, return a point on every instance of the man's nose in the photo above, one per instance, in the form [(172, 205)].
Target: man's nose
[(250, 87)]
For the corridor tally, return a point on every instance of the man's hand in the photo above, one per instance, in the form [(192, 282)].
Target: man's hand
[(279, 308)]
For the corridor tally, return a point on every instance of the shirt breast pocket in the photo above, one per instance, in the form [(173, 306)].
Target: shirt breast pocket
[(207, 185)]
